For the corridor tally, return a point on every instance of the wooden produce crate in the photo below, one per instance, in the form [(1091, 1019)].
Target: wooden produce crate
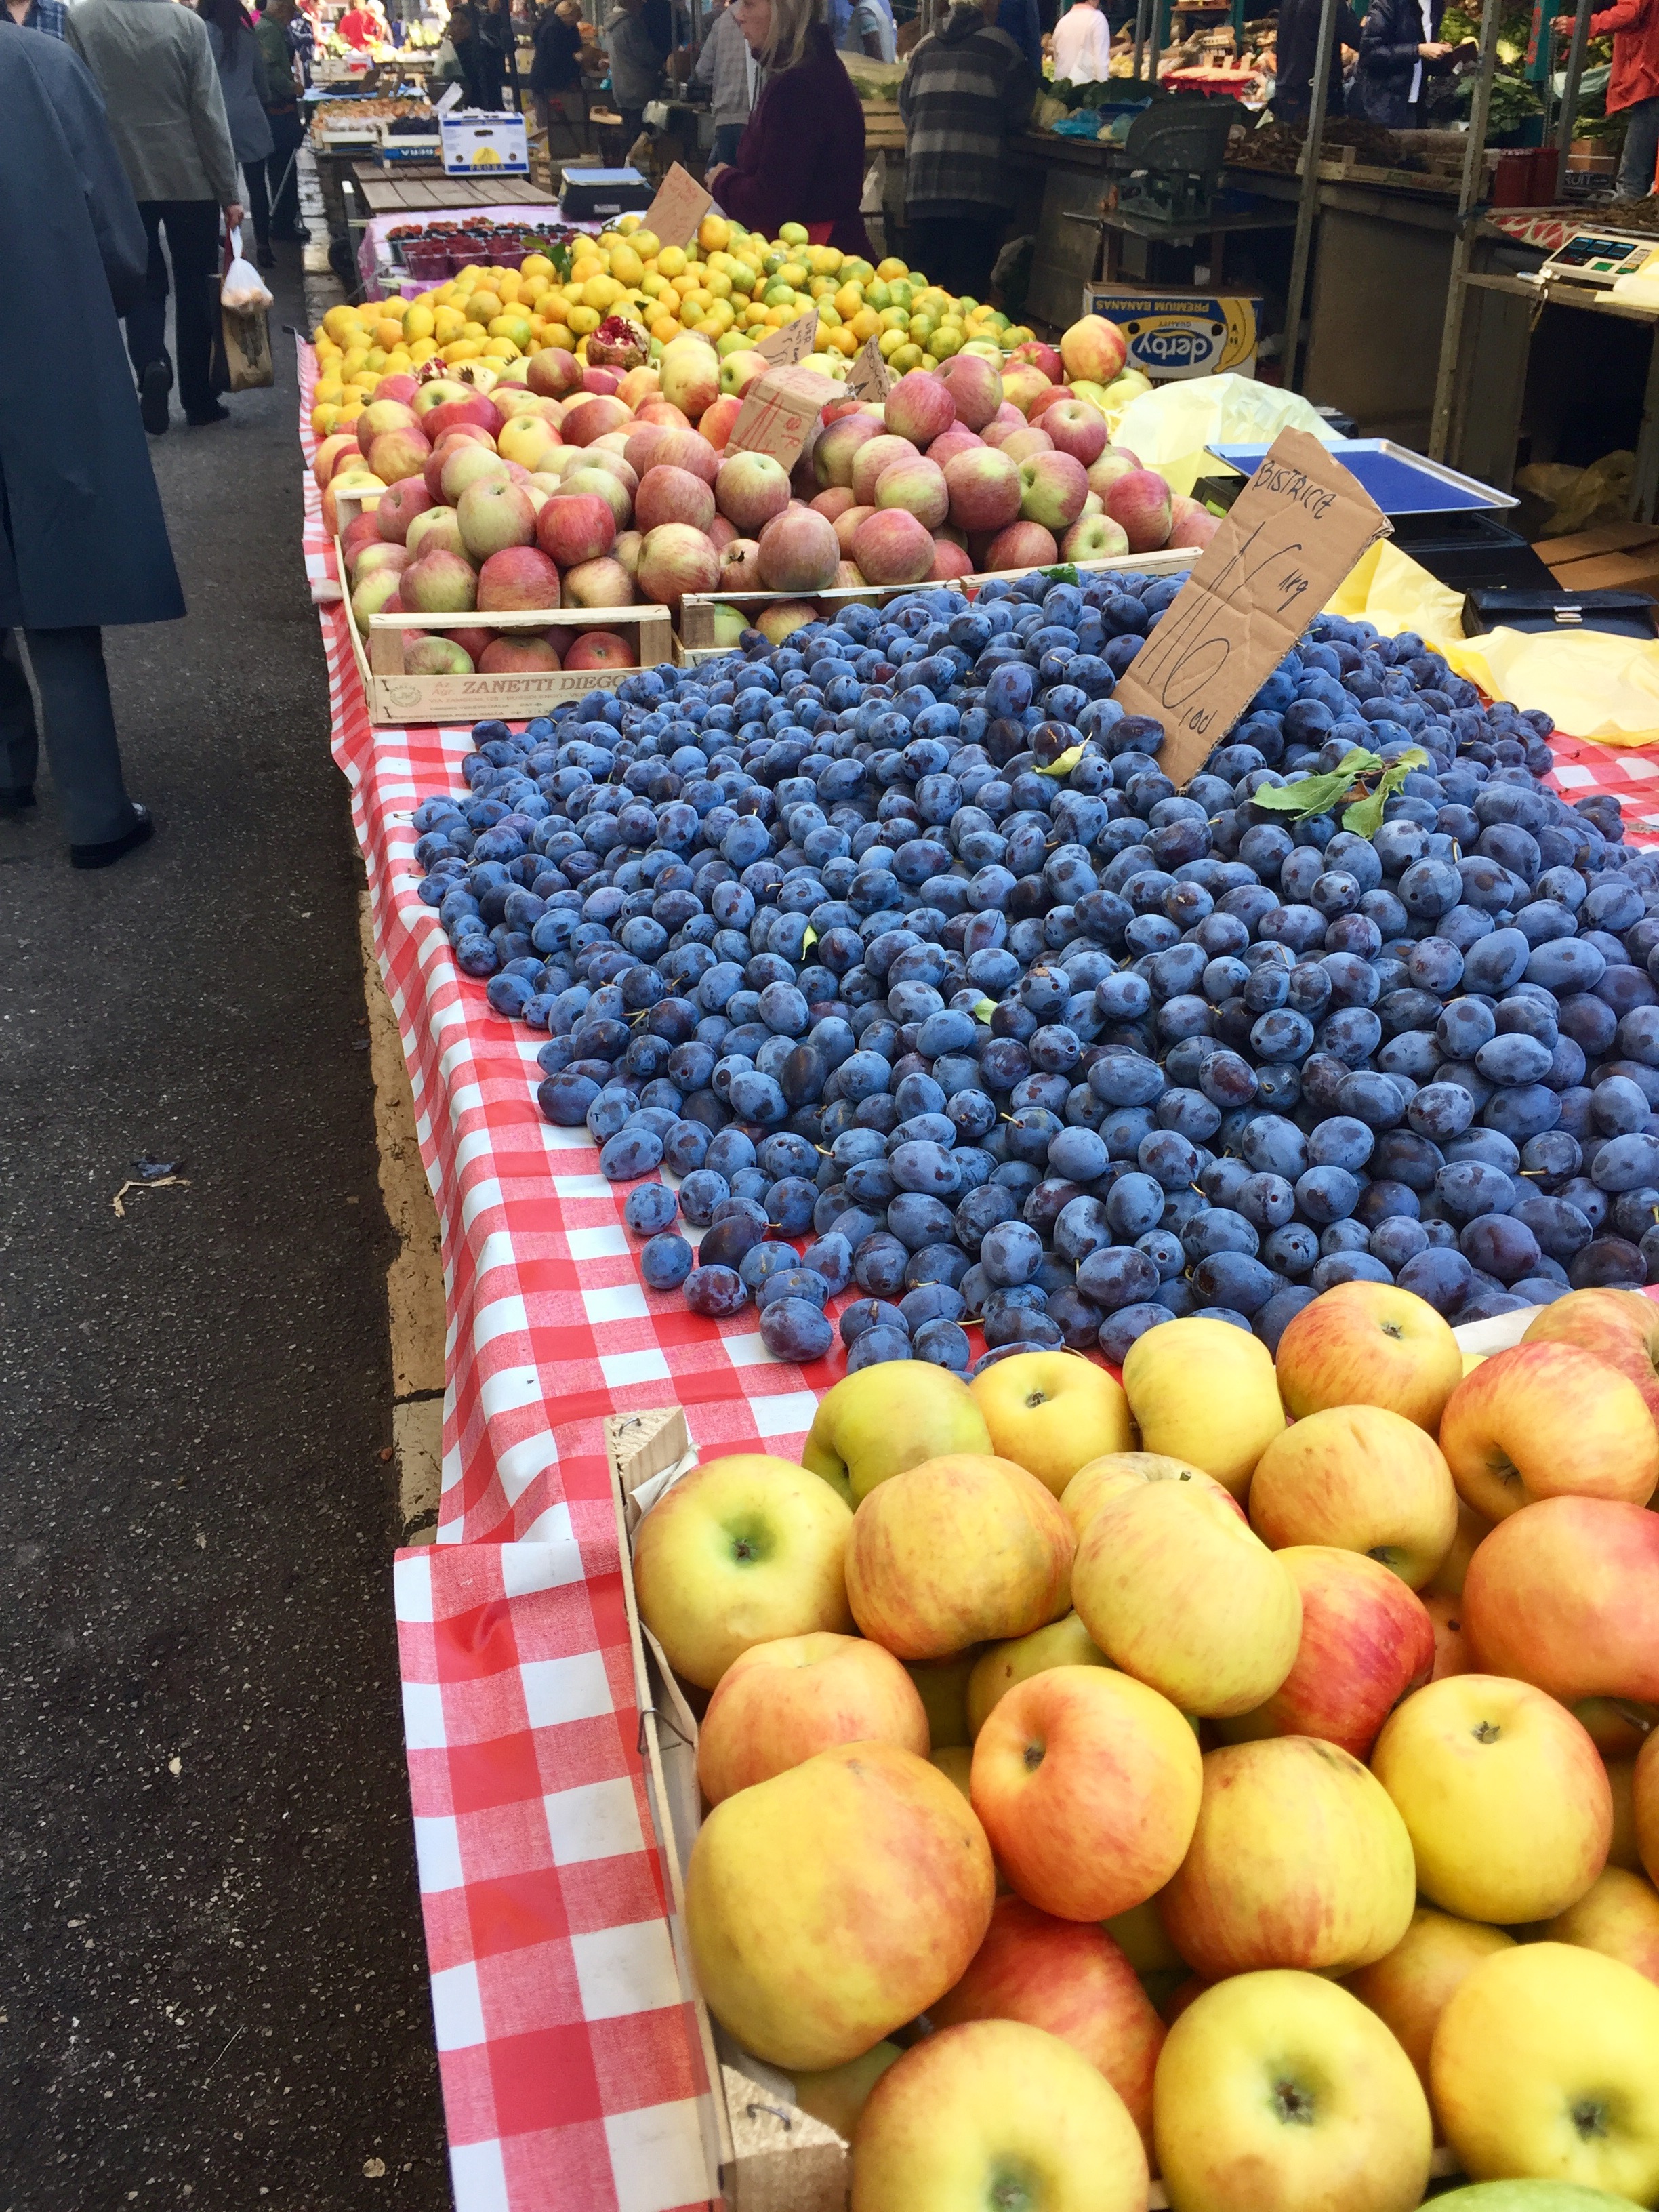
[(696, 622), (884, 126), (394, 696)]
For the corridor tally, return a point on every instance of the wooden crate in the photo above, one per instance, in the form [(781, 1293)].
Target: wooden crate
[(394, 696), (884, 126), (697, 621)]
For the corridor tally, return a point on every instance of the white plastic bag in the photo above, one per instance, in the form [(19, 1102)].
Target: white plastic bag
[(243, 291)]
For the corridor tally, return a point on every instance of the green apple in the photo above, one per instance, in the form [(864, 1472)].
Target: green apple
[(888, 1418)]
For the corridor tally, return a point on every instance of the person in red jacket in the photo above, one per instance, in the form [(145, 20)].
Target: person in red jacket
[(1632, 85), (801, 158)]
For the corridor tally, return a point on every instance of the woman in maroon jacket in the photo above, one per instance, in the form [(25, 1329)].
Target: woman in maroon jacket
[(801, 159)]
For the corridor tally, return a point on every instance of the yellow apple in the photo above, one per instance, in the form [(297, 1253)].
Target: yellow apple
[(1506, 1797), (840, 2094), (955, 1552), (1544, 2065), (1369, 1344), (828, 1907), (1204, 1391), (1105, 1478), (886, 1418), (740, 1550), (1070, 1978), (1064, 1643), (942, 1685), (1052, 1412), (1176, 1591), (1281, 2093), (528, 440), (1548, 1420), (1451, 1647), (1409, 1989), (1363, 1477), (1299, 1859), (996, 2114), (1617, 1915), (777, 1704), (1087, 1783)]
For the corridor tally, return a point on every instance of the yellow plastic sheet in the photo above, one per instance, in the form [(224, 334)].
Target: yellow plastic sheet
[(1168, 428), (1590, 684)]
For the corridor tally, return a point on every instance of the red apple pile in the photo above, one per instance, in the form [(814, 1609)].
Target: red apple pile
[(1246, 1774), (564, 485)]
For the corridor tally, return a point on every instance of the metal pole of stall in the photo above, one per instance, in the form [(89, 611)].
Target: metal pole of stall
[(1570, 90), (1142, 10), (1157, 40), (1470, 198), (1308, 206)]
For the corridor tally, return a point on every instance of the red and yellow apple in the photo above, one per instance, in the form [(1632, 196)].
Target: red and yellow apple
[(1176, 1590), (1548, 1420), (1504, 1796), (875, 1424), (828, 1905), (1114, 1473), (956, 1551), (1087, 1783), (1070, 1978), (1369, 1344), (1621, 1327), (1281, 2093), (1472, 1528), (1223, 1426), (1000, 1667), (1451, 1647), (777, 1704), (1565, 1594), (1367, 1642), (1052, 1412), (1409, 1989), (1363, 1478), (741, 1550), (1617, 1915)]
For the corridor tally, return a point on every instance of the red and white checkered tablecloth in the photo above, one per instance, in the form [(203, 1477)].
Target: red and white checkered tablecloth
[(571, 2069)]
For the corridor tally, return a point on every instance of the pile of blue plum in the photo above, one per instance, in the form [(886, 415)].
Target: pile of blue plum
[(887, 960)]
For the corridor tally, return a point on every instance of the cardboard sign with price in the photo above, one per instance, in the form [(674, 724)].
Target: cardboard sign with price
[(1294, 533)]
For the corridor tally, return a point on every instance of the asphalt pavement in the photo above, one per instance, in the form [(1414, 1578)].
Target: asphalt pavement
[(212, 1979)]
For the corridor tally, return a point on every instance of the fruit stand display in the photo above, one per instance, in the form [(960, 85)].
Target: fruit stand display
[(858, 1045)]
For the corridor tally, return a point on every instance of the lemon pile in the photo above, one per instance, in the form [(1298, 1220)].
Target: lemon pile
[(730, 286)]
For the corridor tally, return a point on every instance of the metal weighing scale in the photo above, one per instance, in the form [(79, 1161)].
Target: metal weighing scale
[(1445, 520), (1596, 258)]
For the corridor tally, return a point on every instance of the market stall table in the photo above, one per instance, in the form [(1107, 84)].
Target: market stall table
[(572, 2073)]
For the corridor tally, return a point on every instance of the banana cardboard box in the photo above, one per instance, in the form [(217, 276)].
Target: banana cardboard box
[(1175, 334)]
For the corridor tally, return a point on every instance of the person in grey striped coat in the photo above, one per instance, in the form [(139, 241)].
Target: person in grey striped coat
[(968, 88)]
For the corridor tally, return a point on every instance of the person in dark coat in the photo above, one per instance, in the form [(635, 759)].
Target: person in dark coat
[(1399, 44), (1299, 50), (82, 539), (801, 158)]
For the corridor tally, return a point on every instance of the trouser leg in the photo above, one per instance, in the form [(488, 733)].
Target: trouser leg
[(80, 732), (1641, 149), (146, 322), (193, 228), (285, 207), (258, 200), (20, 748)]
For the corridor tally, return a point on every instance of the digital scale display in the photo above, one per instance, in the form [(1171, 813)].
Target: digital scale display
[(1593, 257)]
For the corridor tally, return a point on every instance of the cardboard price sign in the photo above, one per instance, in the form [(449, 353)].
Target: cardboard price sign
[(1294, 533), (680, 205), (780, 412), (793, 342), (869, 377)]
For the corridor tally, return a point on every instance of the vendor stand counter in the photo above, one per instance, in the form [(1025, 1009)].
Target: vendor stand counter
[(1543, 358), (573, 2071), (1382, 264)]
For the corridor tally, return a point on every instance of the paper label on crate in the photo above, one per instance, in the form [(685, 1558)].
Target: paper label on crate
[(680, 205), (780, 412), (869, 377), (794, 342), (1295, 532)]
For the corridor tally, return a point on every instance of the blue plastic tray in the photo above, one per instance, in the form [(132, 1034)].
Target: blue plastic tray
[(1399, 480)]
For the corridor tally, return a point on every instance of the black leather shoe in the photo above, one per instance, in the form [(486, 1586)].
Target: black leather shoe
[(105, 856), (154, 386), (16, 802)]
